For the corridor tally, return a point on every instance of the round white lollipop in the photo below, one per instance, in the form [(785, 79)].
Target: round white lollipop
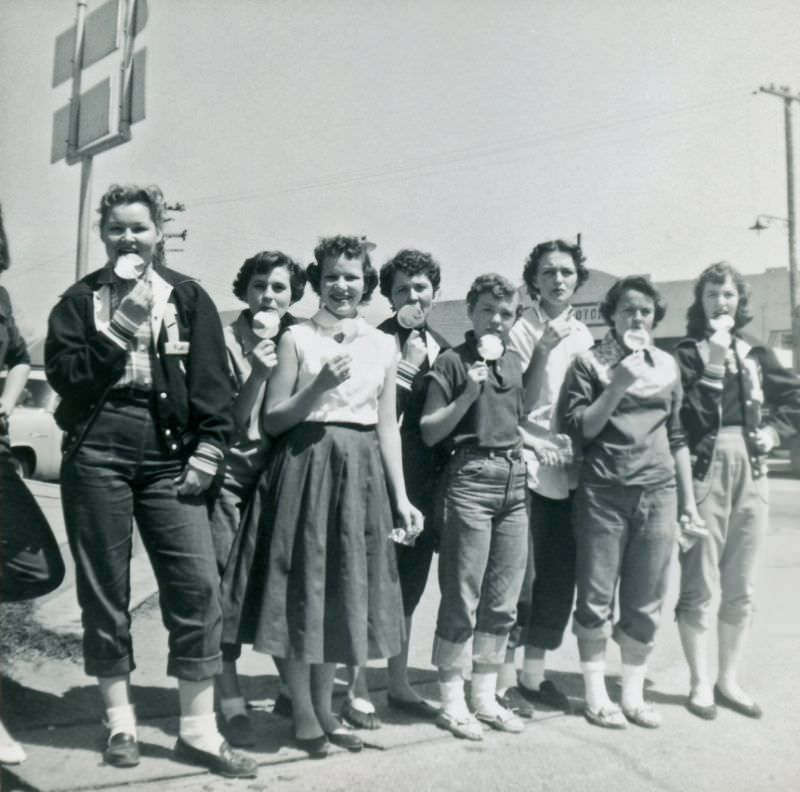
[(636, 340), (129, 266), (410, 317), (266, 323), (724, 322), (490, 347)]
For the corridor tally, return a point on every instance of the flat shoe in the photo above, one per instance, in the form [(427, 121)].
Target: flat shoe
[(606, 717), (419, 708), (344, 738), (513, 701), (282, 706), (122, 750), (467, 728), (748, 710), (315, 747), (227, 763), (238, 731), (357, 718), (547, 695), (704, 711), (645, 715), (503, 720)]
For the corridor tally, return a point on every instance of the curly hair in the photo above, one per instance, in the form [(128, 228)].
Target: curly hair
[(151, 196), (351, 247), (490, 283), (696, 320), (632, 283), (117, 194), (262, 264), (531, 268), (5, 256), (409, 262)]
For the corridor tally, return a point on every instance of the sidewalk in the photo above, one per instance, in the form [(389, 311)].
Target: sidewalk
[(54, 710)]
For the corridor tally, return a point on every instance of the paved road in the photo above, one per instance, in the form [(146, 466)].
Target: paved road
[(54, 711)]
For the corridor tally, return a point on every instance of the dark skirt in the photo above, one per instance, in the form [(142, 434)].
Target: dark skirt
[(312, 573)]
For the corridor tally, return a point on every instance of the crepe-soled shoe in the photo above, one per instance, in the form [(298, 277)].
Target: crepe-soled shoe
[(227, 762)]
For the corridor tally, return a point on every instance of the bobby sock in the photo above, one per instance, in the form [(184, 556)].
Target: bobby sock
[(633, 685), (532, 674), (482, 693), (121, 719), (506, 677), (595, 684), (229, 707), (453, 701), (201, 732)]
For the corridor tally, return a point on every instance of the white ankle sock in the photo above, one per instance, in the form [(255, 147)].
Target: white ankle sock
[(453, 701), (121, 719), (201, 732), (633, 685), (594, 682), (482, 693), (506, 677), (232, 706), (532, 674)]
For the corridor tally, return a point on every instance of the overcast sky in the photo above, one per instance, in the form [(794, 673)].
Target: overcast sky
[(469, 128)]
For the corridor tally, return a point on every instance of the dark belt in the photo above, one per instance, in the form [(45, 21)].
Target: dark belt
[(130, 395), (511, 454)]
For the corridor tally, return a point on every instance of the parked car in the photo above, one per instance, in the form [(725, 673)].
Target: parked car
[(35, 437)]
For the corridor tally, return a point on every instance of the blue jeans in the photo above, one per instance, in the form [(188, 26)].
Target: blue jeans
[(482, 557), (623, 534), (120, 472)]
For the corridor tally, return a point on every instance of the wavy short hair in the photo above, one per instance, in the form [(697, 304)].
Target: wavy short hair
[(696, 320), (5, 256), (632, 283), (262, 264), (352, 247), (150, 195), (409, 262), (490, 283), (531, 268), (118, 194)]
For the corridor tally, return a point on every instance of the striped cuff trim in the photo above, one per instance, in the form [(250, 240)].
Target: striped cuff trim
[(119, 340), (405, 374), (206, 458)]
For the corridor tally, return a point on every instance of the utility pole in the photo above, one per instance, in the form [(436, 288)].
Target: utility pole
[(176, 207), (783, 92)]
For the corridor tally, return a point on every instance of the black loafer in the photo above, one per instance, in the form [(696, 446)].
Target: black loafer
[(315, 747), (748, 710), (704, 711), (227, 763), (419, 708), (122, 750), (344, 738), (238, 731), (547, 695)]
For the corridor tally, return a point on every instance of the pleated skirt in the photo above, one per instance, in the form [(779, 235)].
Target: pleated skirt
[(312, 573)]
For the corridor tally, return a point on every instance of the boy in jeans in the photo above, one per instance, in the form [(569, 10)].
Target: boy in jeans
[(475, 403)]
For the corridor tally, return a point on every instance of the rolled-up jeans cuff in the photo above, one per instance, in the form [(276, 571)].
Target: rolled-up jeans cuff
[(195, 669), (601, 633), (447, 654), (633, 652), (488, 648), (109, 667)]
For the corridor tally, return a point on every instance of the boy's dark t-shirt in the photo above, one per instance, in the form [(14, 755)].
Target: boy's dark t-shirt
[(492, 420)]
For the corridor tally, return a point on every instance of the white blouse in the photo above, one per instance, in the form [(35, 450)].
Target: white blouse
[(372, 352)]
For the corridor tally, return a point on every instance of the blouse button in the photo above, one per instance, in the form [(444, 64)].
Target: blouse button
[(162, 395), (174, 446)]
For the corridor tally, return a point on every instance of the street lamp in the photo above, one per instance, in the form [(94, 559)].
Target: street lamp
[(764, 221)]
